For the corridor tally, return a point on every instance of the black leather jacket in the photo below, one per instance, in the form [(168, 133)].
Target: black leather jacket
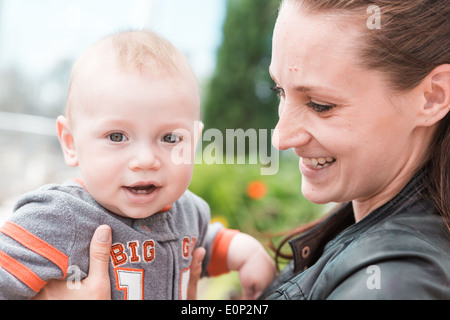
[(399, 251)]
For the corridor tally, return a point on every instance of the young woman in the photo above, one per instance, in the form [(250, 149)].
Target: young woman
[(364, 92)]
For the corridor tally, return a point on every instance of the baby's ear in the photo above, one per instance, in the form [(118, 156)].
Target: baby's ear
[(437, 95), (67, 142)]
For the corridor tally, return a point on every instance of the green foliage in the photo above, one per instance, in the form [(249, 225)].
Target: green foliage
[(239, 93), (281, 207), (271, 212), (238, 96)]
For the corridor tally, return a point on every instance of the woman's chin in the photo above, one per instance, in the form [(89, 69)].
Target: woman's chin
[(316, 196)]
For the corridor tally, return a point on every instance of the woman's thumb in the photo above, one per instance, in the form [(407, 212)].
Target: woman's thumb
[(99, 252)]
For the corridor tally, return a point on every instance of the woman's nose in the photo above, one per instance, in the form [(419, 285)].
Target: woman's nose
[(290, 132), (145, 158)]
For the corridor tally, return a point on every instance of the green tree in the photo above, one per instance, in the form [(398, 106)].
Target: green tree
[(238, 95)]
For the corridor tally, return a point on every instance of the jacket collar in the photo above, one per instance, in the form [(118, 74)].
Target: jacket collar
[(309, 247)]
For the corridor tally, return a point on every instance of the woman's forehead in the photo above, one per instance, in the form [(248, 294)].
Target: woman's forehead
[(312, 44), (332, 32)]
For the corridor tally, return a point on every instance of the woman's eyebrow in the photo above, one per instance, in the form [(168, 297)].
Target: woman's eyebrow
[(303, 88), (307, 88), (311, 88)]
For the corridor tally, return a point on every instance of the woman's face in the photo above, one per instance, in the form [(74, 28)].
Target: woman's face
[(356, 139)]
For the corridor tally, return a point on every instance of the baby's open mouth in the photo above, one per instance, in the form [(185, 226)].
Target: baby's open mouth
[(142, 190)]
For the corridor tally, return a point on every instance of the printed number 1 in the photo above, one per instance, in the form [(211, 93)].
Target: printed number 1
[(131, 281)]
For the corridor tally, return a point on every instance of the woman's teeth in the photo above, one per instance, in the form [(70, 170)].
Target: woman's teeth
[(319, 163)]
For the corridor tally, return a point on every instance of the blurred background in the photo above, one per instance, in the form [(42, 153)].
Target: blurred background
[(228, 43)]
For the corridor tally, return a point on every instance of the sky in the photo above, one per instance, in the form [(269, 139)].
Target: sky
[(34, 35)]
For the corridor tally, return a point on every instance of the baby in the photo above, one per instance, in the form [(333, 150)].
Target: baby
[(131, 126)]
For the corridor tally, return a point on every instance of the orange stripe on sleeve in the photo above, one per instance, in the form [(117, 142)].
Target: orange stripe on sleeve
[(37, 245), (80, 182), (218, 264), (21, 272)]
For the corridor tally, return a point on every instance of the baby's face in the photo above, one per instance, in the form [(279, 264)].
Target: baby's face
[(134, 137)]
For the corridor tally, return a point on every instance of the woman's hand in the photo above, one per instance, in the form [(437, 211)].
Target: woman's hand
[(196, 270), (97, 285)]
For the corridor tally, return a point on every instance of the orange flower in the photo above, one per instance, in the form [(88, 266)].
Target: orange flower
[(256, 190)]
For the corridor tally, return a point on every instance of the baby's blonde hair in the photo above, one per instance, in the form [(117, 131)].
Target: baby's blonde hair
[(137, 49), (128, 51)]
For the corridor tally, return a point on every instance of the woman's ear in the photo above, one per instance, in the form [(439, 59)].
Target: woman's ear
[(67, 141), (437, 95)]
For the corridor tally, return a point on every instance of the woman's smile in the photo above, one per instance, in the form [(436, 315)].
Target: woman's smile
[(315, 169), (318, 163)]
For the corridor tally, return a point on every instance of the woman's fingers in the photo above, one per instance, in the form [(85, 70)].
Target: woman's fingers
[(196, 271), (97, 285), (98, 278)]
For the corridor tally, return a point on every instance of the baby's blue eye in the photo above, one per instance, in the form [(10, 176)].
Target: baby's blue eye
[(171, 138), (117, 137)]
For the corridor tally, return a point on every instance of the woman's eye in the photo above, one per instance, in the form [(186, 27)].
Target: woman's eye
[(171, 138), (117, 137), (278, 90), (319, 108)]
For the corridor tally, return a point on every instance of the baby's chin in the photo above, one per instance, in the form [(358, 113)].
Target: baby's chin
[(131, 213)]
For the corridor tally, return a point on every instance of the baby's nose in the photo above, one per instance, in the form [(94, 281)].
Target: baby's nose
[(145, 159)]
